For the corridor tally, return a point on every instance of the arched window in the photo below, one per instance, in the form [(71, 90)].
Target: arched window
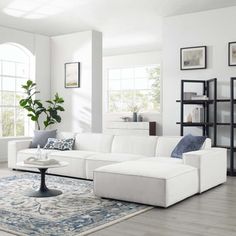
[(16, 67)]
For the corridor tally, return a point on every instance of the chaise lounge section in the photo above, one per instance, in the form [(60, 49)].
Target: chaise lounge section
[(146, 181)]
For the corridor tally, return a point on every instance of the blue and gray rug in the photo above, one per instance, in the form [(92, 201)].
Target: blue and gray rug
[(76, 212)]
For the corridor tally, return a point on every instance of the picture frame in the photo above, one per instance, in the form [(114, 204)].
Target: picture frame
[(72, 75), (232, 53), (193, 58)]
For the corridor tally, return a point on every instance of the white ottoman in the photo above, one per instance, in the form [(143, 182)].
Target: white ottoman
[(147, 182)]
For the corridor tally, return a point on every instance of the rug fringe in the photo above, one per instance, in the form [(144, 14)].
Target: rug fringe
[(114, 222)]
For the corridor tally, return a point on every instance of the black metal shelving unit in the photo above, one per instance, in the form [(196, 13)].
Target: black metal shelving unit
[(206, 124), (231, 170), (232, 149), (232, 125), (212, 124)]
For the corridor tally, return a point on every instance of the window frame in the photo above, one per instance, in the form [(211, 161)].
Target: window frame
[(29, 65), (133, 67)]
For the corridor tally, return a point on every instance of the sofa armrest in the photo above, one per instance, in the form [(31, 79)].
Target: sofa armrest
[(211, 164), (13, 147)]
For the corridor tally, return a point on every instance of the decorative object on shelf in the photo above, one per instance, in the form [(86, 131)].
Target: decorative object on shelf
[(232, 54), (135, 110), (38, 154), (72, 75), (189, 118), (125, 118), (189, 95), (192, 58), (199, 97), (198, 114), (135, 116), (140, 118), (36, 109)]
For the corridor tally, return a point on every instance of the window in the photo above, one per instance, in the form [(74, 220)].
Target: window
[(135, 86), (15, 70)]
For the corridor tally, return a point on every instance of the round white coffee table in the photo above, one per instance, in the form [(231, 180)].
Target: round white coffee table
[(43, 191)]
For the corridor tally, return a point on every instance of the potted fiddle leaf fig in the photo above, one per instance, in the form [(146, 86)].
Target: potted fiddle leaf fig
[(36, 109)]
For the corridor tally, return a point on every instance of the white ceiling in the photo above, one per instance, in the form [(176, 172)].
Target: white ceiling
[(128, 25)]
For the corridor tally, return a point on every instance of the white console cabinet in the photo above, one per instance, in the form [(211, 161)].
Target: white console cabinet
[(131, 128)]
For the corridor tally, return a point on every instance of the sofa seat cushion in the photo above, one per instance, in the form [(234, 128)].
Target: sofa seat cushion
[(76, 163), (147, 182), (103, 159), (166, 160), (147, 168), (71, 154)]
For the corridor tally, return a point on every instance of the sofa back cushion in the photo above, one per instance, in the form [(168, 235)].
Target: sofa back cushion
[(141, 145), (65, 135), (166, 144), (95, 142)]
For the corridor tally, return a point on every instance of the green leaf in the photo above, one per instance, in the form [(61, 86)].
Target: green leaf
[(38, 103), (28, 108), (23, 102), (57, 118), (34, 118), (29, 83), (48, 101), (60, 100), (60, 108)]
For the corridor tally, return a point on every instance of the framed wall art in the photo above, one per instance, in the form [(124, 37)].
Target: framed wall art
[(193, 58), (72, 75), (232, 54)]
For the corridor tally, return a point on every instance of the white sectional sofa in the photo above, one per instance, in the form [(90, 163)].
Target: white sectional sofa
[(102, 152)]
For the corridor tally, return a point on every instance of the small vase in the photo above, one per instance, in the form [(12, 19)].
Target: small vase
[(135, 117)]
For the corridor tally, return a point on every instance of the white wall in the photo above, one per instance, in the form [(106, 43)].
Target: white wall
[(211, 28), (81, 104), (137, 59), (97, 81)]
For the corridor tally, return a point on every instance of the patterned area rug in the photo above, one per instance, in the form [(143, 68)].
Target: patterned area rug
[(76, 212)]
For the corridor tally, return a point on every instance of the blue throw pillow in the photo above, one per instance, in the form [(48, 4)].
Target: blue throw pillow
[(187, 144), (60, 144)]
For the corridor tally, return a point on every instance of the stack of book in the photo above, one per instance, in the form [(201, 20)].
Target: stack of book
[(199, 97)]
